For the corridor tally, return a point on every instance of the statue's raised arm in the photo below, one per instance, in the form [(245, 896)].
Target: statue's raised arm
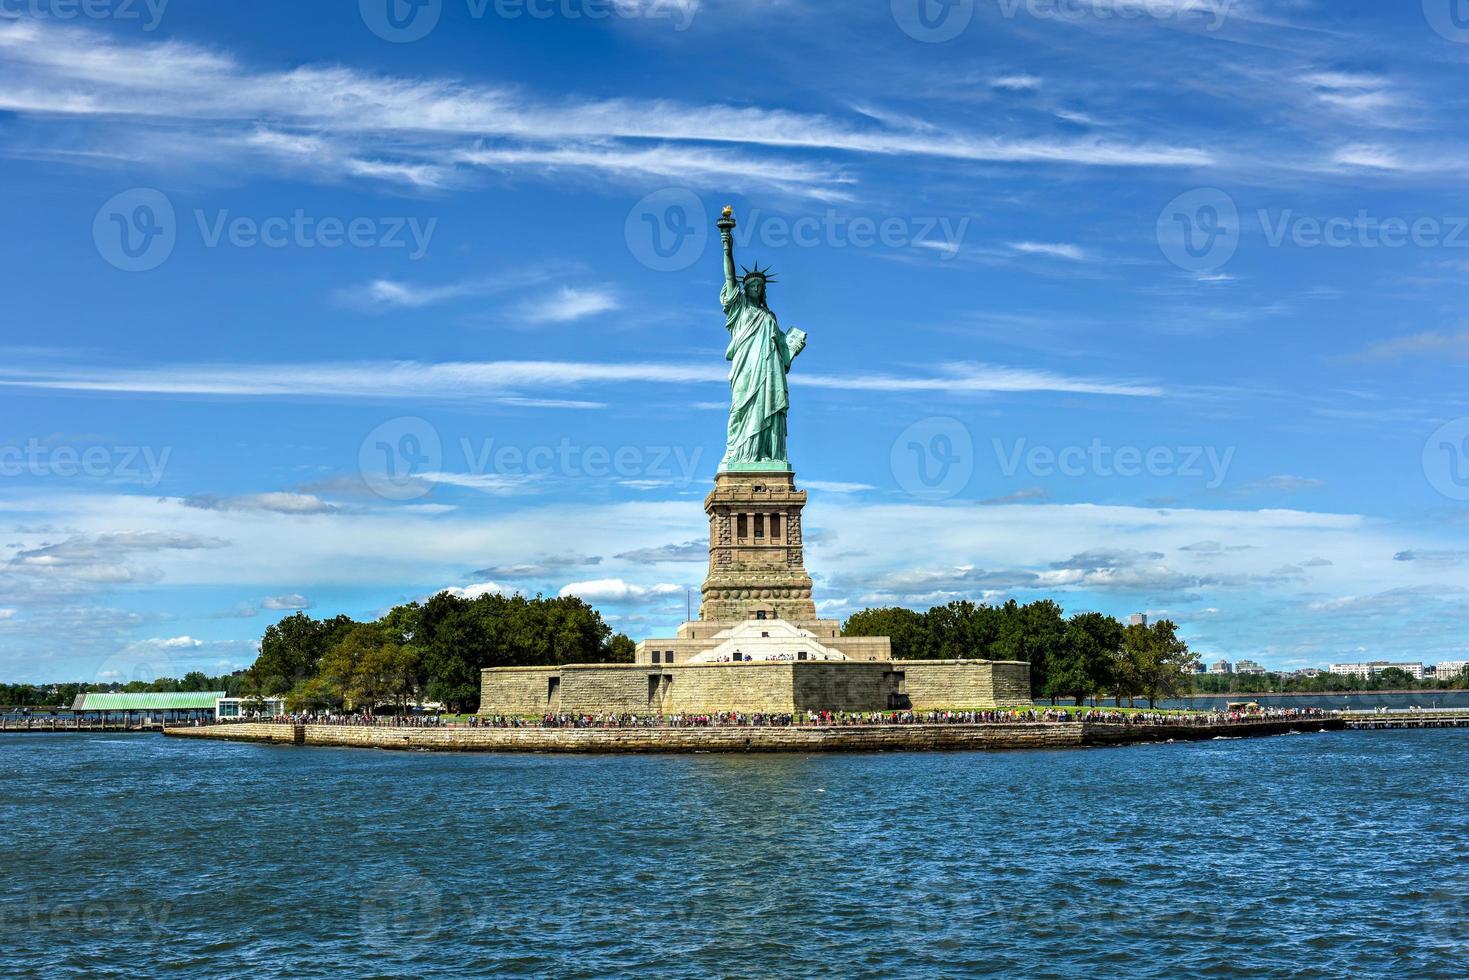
[(726, 224)]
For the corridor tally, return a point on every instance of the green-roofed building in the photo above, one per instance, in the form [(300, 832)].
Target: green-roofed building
[(162, 705)]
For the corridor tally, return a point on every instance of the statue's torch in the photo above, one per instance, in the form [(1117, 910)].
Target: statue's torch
[(726, 222)]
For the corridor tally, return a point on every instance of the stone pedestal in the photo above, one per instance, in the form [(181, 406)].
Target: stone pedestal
[(757, 564)]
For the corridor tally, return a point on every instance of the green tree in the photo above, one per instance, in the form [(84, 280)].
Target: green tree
[(908, 630), (292, 649), (621, 649), (195, 680), (1030, 633), (1082, 663), (1156, 662)]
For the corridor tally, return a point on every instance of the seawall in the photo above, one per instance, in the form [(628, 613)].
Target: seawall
[(875, 738)]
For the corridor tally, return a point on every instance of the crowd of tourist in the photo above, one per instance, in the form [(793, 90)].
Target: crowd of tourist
[(1015, 716), (834, 719)]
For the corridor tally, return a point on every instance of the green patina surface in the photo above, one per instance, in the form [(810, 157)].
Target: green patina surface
[(760, 354)]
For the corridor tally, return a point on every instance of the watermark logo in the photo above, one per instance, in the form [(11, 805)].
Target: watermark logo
[(397, 455), (404, 21), (832, 229), (149, 12), (401, 21), (401, 911), (933, 21), (1448, 18), (668, 230), (933, 459), (1446, 459), (141, 663), (136, 231), (1100, 459), (142, 465), (1199, 230)]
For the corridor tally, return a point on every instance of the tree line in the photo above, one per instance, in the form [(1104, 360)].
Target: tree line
[(1391, 679), (65, 695), (1085, 656), (429, 651)]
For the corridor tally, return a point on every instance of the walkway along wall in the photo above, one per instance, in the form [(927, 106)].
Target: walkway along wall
[(875, 738)]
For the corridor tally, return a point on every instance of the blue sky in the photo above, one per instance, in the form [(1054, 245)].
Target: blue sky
[(1151, 306)]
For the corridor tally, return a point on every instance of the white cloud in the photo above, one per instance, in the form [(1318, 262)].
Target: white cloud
[(507, 379), (293, 601), (1016, 83), (832, 486), (147, 98), (7, 613), (567, 304), (179, 643), (479, 589), (1073, 552), (499, 484), (278, 503), (618, 590), (1367, 156), (1059, 250)]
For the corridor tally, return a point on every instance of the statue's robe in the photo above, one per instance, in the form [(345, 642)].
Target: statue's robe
[(760, 354)]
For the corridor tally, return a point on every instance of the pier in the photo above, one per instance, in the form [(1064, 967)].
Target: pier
[(77, 723), (1403, 718)]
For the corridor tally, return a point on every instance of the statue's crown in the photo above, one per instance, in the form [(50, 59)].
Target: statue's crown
[(765, 275)]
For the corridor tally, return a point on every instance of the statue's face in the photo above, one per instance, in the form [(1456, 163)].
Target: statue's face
[(755, 290)]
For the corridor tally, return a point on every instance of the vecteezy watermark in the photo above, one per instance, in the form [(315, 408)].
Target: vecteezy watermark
[(137, 230), (1201, 230), (1446, 459), (933, 459), (1099, 459), (148, 12), (143, 465), (835, 230), (397, 457), (404, 21), (401, 910), (144, 917), (1448, 18), (935, 21), (668, 231), (403, 459)]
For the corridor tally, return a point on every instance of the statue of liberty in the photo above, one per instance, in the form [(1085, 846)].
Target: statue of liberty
[(760, 353)]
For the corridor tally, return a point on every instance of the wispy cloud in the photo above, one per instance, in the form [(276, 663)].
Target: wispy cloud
[(278, 503), (836, 486), (1453, 344), (499, 379), (343, 122), (1059, 250), (567, 304)]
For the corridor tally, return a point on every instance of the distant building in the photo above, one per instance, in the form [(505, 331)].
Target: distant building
[(1138, 619), (1450, 669), (1221, 667), (227, 708), (1376, 667), (1306, 673), (1248, 667)]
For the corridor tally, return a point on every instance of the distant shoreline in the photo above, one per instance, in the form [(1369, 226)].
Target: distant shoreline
[(1320, 694)]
